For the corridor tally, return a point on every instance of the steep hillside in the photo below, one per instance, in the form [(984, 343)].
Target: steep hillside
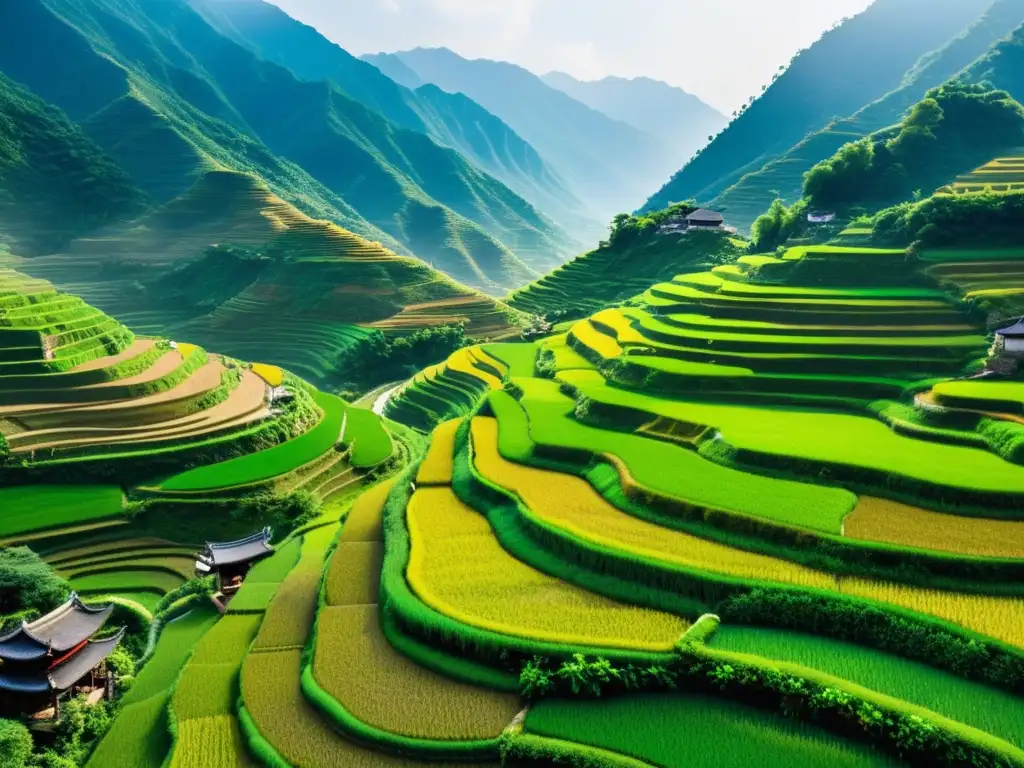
[(681, 120), (783, 177), (606, 162), (277, 285), (635, 255), (861, 60), (1002, 66), (451, 119), (55, 183), (175, 99)]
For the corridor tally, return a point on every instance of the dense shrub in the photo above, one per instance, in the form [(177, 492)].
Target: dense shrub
[(955, 127), (15, 744), (990, 218), (777, 225), (28, 583)]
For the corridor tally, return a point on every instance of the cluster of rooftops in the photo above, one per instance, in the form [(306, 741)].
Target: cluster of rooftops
[(44, 660)]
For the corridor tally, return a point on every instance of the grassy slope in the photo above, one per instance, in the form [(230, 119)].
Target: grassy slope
[(611, 274), (862, 60), (55, 183), (751, 195)]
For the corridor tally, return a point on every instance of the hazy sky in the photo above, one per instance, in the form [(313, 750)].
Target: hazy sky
[(721, 50)]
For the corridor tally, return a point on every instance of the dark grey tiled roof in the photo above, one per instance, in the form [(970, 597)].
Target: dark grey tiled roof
[(1017, 329), (58, 631), (231, 552), (74, 669), (703, 214)]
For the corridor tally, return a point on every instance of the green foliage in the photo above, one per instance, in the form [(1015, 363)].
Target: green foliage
[(28, 583), (202, 585), (80, 727), (954, 128), (379, 358), (777, 225), (986, 219), (32, 507), (15, 744)]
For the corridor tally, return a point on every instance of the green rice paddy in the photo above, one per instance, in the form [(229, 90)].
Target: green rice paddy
[(24, 509), (690, 731)]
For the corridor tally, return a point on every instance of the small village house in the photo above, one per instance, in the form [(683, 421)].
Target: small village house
[(231, 560), (46, 661), (821, 217), (1010, 340)]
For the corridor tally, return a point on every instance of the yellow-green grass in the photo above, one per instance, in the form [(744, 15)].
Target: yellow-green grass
[(694, 479), (572, 504), (463, 361), (998, 617), (84, 562), (996, 712), (706, 294), (586, 334), (356, 665), (369, 440), (272, 696), (973, 254), (363, 521), (890, 522), (139, 736), (436, 468), (693, 731), (721, 282), (113, 548), (290, 614), (271, 374), (127, 581), (28, 508), (203, 699), (207, 741), (272, 462), (457, 567), (837, 438), (760, 326), (183, 566), (992, 395)]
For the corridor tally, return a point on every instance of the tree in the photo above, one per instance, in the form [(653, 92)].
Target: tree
[(28, 583), (15, 744)]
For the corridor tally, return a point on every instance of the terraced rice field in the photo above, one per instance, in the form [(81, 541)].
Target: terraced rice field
[(973, 704), (890, 522), (458, 568), (684, 731), (38, 507)]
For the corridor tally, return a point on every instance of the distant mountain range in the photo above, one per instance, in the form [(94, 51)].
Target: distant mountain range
[(679, 119), (852, 65), (609, 164)]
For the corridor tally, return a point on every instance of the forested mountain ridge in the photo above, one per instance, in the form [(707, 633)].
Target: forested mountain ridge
[(451, 119), (171, 99), (608, 164), (851, 65), (679, 119), (55, 183), (783, 177)]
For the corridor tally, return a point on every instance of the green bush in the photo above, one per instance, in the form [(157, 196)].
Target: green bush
[(15, 744), (28, 583)]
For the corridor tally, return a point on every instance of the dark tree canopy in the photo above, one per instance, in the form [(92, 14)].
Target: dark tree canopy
[(26, 582)]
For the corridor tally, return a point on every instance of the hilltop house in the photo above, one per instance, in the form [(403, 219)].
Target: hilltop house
[(52, 658), (231, 560), (821, 217), (699, 219), (1010, 340)]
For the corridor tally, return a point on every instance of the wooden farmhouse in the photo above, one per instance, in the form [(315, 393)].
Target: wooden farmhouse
[(54, 657), (704, 219), (231, 560), (1010, 340)]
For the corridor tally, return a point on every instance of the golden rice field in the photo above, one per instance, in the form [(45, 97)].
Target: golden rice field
[(572, 504), (353, 577), (290, 615), (271, 374), (270, 689), (457, 567), (882, 520), (998, 617), (207, 741), (465, 361), (585, 333), (355, 664), (363, 520), (436, 468), (564, 357)]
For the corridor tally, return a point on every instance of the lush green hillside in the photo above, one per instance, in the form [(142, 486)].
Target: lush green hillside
[(173, 99), (681, 120), (55, 183), (452, 119), (278, 286), (635, 255), (861, 60), (783, 177), (606, 163)]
